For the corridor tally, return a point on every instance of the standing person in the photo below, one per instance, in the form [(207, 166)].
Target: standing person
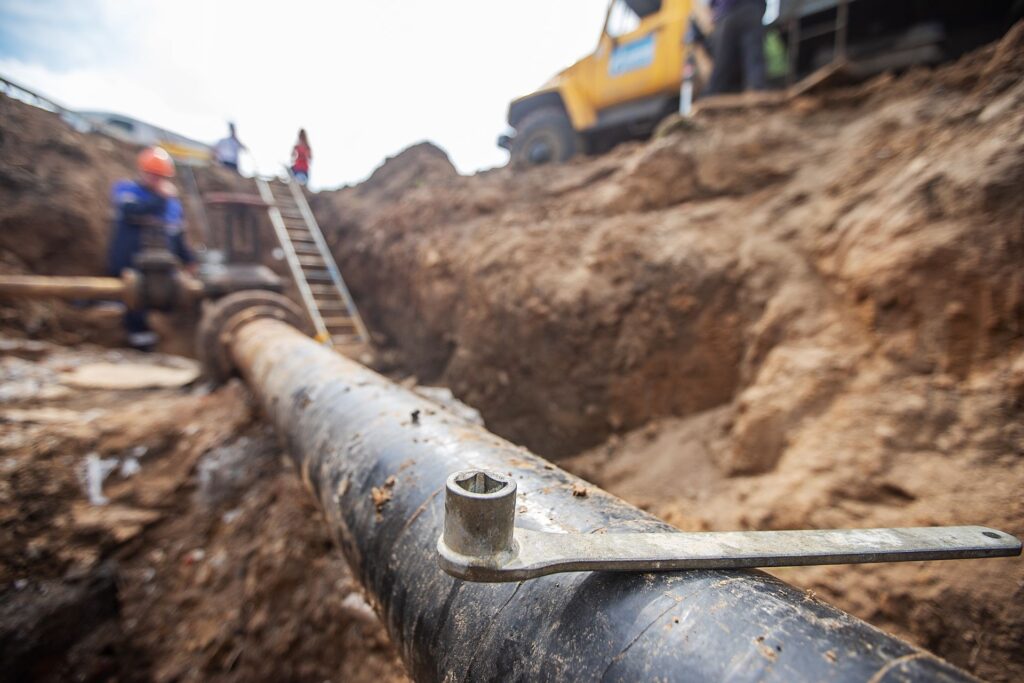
[(226, 151), (737, 46), (143, 207), (302, 155)]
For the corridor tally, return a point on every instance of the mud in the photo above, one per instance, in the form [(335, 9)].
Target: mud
[(206, 562)]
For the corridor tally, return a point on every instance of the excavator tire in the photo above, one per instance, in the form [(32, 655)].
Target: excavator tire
[(544, 136), (220, 318)]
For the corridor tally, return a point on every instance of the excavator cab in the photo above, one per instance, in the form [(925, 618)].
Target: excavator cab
[(627, 84), (632, 79)]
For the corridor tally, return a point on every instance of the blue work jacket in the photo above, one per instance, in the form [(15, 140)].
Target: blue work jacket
[(132, 203)]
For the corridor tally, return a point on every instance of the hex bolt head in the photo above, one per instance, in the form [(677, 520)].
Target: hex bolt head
[(479, 513)]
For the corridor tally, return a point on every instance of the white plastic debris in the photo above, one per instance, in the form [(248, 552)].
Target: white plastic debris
[(96, 471), (130, 467)]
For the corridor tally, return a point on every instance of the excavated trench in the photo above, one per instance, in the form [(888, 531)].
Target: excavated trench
[(804, 316)]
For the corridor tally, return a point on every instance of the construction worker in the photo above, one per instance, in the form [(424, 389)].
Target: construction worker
[(226, 150), (737, 46), (146, 211)]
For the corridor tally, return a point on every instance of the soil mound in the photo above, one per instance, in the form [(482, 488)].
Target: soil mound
[(417, 165)]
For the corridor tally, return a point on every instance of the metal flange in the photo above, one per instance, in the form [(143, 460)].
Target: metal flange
[(221, 319)]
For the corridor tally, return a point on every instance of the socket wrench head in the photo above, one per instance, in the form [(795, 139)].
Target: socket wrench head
[(479, 515)]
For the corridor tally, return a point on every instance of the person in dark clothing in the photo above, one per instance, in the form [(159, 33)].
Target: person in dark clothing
[(146, 211), (737, 46)]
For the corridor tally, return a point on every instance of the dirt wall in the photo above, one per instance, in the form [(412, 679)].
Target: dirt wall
[(574, 302)]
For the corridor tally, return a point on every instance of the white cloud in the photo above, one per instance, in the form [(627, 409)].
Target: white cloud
[(366, 79)]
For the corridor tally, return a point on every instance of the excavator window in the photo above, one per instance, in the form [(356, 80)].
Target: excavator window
[(621, 19), (644, 8)]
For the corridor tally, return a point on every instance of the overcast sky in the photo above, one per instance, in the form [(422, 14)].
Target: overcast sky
[(366, 79)]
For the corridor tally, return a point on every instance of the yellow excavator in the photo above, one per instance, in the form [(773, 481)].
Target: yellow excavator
[(633, 78)]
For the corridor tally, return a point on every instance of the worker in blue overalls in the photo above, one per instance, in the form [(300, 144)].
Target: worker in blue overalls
[(147, 212)]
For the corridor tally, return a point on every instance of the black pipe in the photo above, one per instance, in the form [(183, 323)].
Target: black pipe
[(376, 456)]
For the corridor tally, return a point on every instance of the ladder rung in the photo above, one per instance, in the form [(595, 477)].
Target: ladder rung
[(306, 248), (322, 275), (330, 305), (335, 323), (312, 260), (346, 339), (301, 238)]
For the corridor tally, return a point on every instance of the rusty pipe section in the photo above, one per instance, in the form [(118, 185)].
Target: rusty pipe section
[(161, 288), (44, 287), (377, 458)]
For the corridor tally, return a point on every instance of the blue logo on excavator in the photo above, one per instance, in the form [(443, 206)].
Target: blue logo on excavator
[(632, 56)]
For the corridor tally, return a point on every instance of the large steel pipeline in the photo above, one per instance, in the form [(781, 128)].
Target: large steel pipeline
[(376, 457)]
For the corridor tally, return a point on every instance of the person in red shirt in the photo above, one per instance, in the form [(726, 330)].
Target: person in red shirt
[(302, 154)]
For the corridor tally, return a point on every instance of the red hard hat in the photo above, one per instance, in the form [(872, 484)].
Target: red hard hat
[(157, 161)]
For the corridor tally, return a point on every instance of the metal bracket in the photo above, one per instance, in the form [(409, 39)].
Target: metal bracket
[(480, 542)]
